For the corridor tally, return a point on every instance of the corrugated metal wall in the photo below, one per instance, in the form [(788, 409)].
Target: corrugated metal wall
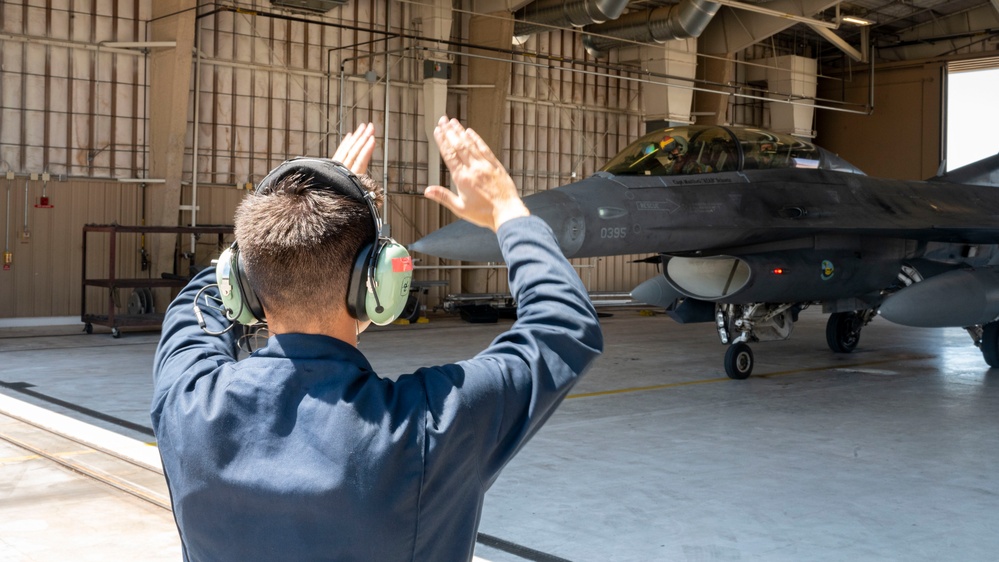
[(267, 89), (71, 104), (563, 126), (45, 278)]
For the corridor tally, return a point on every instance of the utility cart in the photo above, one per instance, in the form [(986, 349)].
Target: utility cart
[(139, 310)]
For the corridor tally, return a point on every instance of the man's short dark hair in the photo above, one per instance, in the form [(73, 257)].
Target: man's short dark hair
[(299, 243)]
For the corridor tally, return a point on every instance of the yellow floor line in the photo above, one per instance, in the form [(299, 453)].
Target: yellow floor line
[(97, 474), (34, 457), (763, 376), (20, 459)]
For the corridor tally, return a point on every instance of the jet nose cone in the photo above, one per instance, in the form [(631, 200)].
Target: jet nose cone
[(460, 241), (464, 241), (656, 292)]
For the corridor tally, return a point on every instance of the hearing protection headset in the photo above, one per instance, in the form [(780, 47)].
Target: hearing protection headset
[(379, 281)]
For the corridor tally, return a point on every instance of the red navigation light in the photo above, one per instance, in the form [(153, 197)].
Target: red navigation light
[(778, 271)]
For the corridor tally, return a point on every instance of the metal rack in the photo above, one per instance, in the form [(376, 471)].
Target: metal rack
[(112, 282)]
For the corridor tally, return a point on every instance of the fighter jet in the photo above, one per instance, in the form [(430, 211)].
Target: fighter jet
[(751, 227)]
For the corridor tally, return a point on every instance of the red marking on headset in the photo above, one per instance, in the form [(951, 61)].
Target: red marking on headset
[(400, 265)]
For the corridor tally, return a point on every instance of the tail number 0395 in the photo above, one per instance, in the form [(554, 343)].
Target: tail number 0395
[(614, 232)]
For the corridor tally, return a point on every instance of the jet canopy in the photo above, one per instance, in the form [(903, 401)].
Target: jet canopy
[(705, 149)]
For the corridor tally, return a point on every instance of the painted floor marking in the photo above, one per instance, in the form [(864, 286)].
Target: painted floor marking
[(763, 376), (67, 454)]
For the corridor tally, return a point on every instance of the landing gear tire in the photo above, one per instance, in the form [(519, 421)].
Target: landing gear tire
[(411, 311), (88, 328), (739, 361), (843, 331), (990, 344), (115, 333)]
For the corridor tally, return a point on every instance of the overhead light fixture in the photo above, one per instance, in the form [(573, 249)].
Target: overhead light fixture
[(856, 20)]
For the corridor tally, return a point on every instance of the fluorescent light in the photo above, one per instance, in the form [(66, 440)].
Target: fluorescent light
[(857, 21), (136, 44)]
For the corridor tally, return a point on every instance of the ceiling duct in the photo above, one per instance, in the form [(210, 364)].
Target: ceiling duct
[(678, 21), (542, 15)]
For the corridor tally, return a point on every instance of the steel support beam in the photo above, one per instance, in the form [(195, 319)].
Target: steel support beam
[(777, 13), (733, 30), (840, 43), (945, 35), (169, 90), (487, 106)]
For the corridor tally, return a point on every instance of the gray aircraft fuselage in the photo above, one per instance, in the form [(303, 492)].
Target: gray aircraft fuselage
[(812, 230)]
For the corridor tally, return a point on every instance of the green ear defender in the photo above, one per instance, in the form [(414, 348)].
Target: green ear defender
[(240, 302), (382, 273), (379, 283)]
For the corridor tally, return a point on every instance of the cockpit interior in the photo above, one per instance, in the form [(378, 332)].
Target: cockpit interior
[(710, 149)]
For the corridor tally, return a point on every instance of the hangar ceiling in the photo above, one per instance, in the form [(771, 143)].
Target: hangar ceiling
[(893, 18), (93, 96), (824, 27)]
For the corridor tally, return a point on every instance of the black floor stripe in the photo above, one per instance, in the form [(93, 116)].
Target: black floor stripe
[(517, 550), (85, 346), (482, 538), (24, 388)]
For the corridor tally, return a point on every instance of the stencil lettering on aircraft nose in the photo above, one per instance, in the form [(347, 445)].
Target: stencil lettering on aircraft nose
[(665, 206)]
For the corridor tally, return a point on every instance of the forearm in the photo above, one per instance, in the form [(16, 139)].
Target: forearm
[(551, 301), (555, 339), (183, 342)]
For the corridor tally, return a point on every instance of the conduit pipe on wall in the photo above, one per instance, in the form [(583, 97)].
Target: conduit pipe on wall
[(8, 257), (677, 21), (385, 129), (542, 15), (25, 234), (343, 77), (195, 144)]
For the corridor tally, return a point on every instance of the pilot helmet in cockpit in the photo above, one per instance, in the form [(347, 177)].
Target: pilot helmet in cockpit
[(674, 147)]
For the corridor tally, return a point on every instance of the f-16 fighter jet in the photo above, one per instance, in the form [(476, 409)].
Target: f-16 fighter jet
[(752, 227)]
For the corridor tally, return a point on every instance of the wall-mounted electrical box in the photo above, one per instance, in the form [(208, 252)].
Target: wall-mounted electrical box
[(436, 69)]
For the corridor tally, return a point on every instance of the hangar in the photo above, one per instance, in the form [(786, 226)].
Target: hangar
[(131, 129)]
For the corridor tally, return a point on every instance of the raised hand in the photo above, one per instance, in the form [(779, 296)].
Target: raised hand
[(357, 148), (485, 193)]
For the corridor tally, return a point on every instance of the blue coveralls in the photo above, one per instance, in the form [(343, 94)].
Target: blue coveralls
[(300, 452)]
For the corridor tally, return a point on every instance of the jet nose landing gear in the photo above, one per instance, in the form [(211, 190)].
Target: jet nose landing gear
[(739, 361), (739, 324)]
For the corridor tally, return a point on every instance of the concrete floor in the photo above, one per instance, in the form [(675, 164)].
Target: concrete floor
[(48, 512), (889, 453)]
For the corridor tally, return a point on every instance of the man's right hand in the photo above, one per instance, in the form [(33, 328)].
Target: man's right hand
[(485, 194), (356, 149)]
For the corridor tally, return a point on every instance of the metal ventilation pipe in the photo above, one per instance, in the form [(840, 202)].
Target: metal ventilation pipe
[(558, 13), (678, 21)]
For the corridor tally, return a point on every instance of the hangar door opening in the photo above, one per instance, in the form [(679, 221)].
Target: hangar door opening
[(972, 112)]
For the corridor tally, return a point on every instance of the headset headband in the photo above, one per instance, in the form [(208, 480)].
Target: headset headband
[(327, 175), (379, 282)]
